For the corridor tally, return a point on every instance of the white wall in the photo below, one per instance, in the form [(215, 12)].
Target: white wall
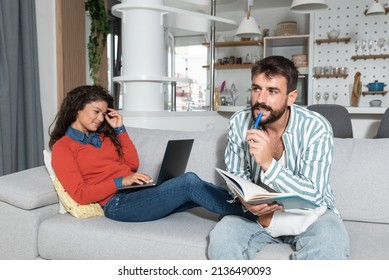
[(349, 18), (45, 10)]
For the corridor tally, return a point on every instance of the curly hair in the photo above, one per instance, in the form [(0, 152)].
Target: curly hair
[(74, 102)]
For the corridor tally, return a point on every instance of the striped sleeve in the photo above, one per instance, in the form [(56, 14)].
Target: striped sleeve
[(235, 154)]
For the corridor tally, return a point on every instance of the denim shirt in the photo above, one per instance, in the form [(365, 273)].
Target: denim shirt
[(94, 139)]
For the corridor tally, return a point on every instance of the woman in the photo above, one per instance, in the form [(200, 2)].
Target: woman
[(93, 157)]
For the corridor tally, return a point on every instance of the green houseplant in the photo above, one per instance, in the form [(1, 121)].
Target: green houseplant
[(98, 36)]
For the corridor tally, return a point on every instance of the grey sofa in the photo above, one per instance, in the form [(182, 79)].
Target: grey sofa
[(32, 228)]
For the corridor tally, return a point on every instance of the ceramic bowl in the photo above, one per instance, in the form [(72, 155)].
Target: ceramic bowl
[(375, 103), (333, 34)]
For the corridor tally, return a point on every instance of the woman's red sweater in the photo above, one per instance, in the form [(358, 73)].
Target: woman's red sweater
[(87, 173)]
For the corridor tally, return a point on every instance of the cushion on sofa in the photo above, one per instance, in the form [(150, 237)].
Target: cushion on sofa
[(360, 180), (179, 236), (32, 189)]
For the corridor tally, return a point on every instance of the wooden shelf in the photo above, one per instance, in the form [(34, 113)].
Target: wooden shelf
[(374, 92), (235, 44), (337, 40), (371, 56), (331, 76), (231, 66)]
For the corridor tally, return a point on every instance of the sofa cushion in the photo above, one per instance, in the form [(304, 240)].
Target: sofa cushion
[(368, 241), (179, 236), (75, 209), (207, 152), (28, 189), (360, 179)]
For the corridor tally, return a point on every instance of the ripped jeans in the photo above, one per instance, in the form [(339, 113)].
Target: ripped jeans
[(176, 195), (236, 238)]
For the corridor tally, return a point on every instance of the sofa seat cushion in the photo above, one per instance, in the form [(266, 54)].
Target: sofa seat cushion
[(360, 179), (368, 241), (178, 236), (32, 190)]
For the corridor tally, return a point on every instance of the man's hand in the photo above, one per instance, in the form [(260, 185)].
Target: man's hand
[(263, 211), (259, 147)]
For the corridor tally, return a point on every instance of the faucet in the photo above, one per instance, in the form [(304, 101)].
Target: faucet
[(233, 91), (189, 103)]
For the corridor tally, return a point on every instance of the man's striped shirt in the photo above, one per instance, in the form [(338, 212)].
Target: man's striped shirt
[(308, 142)]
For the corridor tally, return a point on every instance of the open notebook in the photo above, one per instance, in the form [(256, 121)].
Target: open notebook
[(173, 164)]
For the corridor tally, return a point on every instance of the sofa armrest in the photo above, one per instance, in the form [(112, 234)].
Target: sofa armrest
[(28, 189)]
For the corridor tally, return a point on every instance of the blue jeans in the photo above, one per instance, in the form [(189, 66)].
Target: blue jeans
[(238, 238), (176, 195)]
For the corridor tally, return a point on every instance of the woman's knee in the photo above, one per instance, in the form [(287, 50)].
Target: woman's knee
[(192, 176)]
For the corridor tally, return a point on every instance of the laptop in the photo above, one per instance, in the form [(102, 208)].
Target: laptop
[(174, 162)]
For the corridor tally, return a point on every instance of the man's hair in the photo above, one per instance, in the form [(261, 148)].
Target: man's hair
[(274, 66)]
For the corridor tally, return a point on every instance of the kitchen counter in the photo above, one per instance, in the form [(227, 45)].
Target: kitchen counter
[(351, 110), (365, 120)]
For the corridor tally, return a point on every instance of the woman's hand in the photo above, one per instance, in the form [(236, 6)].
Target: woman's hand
[(114, 118), (136, 178)]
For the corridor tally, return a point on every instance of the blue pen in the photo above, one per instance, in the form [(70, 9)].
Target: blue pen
[(258, 120)]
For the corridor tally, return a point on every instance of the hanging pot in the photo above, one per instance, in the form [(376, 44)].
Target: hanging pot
[(376, 86)]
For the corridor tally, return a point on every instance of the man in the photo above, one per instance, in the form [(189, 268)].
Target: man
[(291, 152)]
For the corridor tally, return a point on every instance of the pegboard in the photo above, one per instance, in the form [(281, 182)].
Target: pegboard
[(349, 18)]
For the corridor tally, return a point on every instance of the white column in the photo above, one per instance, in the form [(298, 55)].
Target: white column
[(143, 54)]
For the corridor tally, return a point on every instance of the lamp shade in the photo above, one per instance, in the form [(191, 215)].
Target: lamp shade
[(376, 8), (248, 28), (306, 6)]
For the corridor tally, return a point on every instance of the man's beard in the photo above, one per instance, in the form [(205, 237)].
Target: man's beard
[(274, 114)]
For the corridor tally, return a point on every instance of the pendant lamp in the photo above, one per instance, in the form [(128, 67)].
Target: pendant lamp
[(248, 27), (307, 6), (376, 8)]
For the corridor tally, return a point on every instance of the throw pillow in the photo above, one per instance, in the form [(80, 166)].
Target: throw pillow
[(50, 170), (75, 209), (67, 204)]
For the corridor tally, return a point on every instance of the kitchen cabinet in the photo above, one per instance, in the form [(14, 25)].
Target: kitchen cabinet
[(278, 45), (286, 45)]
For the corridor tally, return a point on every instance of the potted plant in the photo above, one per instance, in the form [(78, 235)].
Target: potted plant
[(98, 36)]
